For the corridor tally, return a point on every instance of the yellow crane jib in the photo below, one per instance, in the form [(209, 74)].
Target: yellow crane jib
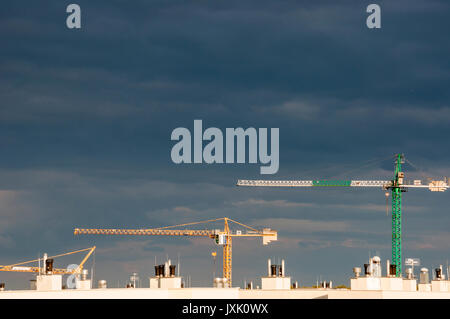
[(221, 237), (20, 267)]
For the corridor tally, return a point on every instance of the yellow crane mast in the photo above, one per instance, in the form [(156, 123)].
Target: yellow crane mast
[(21, 267), (222, 237)]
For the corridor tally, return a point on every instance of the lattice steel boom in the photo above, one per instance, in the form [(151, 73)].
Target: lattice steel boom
[(22, 266)]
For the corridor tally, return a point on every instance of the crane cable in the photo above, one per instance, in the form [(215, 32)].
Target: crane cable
[(365, 164), (421, 172), (387, 203), (193, 223), (328, 167), (208, 221)]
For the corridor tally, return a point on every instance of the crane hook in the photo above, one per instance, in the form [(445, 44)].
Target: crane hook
[(387, 203)]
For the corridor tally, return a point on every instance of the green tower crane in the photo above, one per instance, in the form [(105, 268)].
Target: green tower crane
[(397, 190), (397, 185)]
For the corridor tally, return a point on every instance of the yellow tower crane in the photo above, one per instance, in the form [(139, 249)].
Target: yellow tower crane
[(21, 267), (221, 237)]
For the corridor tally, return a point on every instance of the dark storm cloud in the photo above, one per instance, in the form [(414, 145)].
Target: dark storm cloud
[(86, 117)]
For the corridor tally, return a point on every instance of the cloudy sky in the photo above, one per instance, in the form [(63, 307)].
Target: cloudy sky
[(86, 117)]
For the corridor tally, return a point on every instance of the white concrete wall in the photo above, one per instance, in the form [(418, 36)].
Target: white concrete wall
[(424, 287), (165, 282), (409, 285), (218, 293), (284, 294), (48, 282), (169, 282), (391, 283), (83, 284), (154, 282), (276, 283), (365, 283), (439, 285)]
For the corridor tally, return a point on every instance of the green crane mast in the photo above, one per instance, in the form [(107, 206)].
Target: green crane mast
[(397, 185), (397, 190)]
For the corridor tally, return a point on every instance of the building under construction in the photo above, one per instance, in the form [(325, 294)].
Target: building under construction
[(373, 283)]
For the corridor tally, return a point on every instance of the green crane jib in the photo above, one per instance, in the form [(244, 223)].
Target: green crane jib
[(397, 185)]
